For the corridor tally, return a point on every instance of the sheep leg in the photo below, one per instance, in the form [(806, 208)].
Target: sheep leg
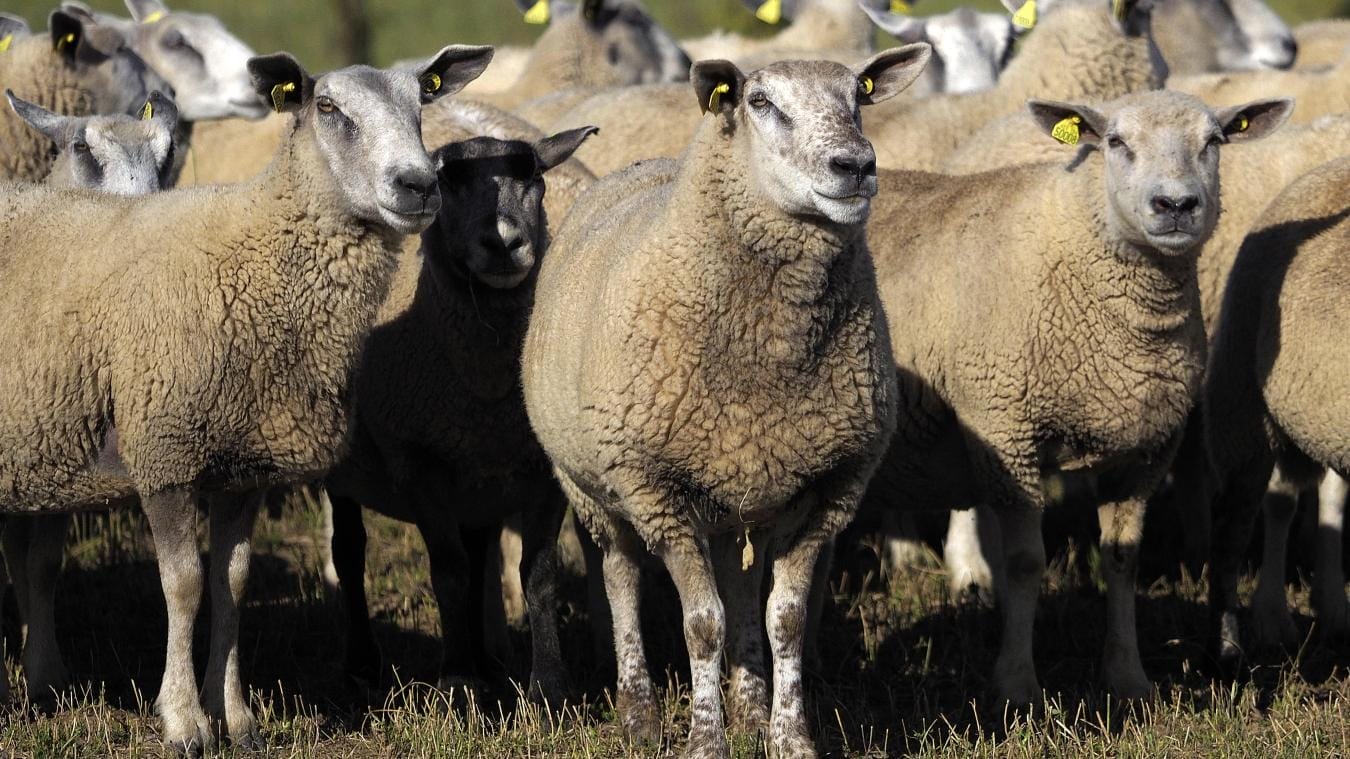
[(905, 550), (972, 553), (349, 561), (42, 664), (635, 700), (4, 580), (689, 565), (226, 700), (1328, 591), (1122, 528), (794, 571), (539, 566), (496, 630), (1190, 495), (331, 583), (742, 593), (452, 574), (1024, 562), (172, 515), (510, 550), (1272, 623), (1235, 507), (815, 608)]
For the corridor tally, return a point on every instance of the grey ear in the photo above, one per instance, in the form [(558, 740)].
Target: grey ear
[(12, 26), (142, 9), (889, 72), (453, 68), (67, 32), (1050, 115), (52, 125), (281, 81), (1254, 120), (558, 148), (903, 28), (709, 77), (594, 11)]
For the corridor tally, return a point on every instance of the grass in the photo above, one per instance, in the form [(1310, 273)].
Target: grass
[(903, 673)]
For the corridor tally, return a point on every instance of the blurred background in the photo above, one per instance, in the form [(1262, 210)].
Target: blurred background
[(330, 33)]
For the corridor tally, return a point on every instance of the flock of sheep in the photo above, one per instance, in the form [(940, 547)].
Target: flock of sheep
[(794, 282)]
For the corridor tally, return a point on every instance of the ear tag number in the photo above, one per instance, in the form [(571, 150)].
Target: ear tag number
[(715, 99), (1066, 131), (770, 12), (538, 13), (1025, 17), (279, 95)]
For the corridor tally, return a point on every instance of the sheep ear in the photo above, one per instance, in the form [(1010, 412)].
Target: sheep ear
[(898, 25), (146, 11), (161, 109), (718, 84), (772, 11), (67, 32), (453, 68), (889, 72), (280, 80), (558, 148), (12, 26), (52, 125), (536, 11), (595, 12), (1254, 120), (1068, 123)]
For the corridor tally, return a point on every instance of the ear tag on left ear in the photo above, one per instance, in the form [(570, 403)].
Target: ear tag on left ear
[(1066, 131), (279, 95), (69, 39), (1243, 123), (865, 85), (431, 83), (4, 42), (901, 7), (153, 17), (148, 112), (1119, 10), (770, 12), (715, 99), (1025, 17), (538, 13)]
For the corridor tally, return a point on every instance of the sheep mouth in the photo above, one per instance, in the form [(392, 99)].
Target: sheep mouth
[(859, 196)]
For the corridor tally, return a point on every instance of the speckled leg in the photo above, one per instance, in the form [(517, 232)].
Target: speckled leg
[(742, 592), (793, 572), (539, 567), (1328, 591), (42, 664), (636, 699), (172, 515), (349, 561), (1122, 528), (226, 699), (689, 565), (1024, 561), (1272, 623), (815, 609)]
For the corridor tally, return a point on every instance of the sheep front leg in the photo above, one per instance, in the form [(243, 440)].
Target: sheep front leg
[(1122, 528), (1272, 623), (635, 699), (539, 567), (1235, 507), (742, 593), (973, 552), (42, 665), (349, 562), (1328, 591), (794, 569), (172, 515), (231, 521), (1024, 564), (689, 565)]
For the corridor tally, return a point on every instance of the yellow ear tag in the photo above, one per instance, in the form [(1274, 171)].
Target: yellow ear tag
[(69, 39), (1066, 131), (715, 99), (1118, 9), (148, 112), (431, 83), (770, 12), (901, 7), (865, 84), (4, 42), (538, 13), (153, 17), (1243, 123), (1025, 17), (279, 95)]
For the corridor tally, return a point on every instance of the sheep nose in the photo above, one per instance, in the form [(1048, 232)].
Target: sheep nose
[(419, 181), (1290, 47), (1175, 205), (854, 166)]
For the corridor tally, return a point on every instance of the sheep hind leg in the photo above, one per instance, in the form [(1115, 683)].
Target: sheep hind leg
[(1122, 528), (539, 566), (1024, 561), (349, 562), (1272, 622), (43, 667), (690, 567), (635, 698), (1237, 502), (172, 515), (1328, 591), (741, 586), (226, 699)]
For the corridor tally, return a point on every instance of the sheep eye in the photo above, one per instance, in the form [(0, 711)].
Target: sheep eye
[(174, 39), (1114, 142), (325, 104), (80, 146), (758, 100)]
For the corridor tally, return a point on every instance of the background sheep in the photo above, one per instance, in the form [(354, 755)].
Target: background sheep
[(1322, 43), (1275, 392), (440, 433), (1198, 36), (969, 48), (709, 414), (228, 367), (1318, 92), (1073, 362), (814, 27)]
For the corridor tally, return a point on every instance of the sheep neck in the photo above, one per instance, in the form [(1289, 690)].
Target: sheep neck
[(38, 74)]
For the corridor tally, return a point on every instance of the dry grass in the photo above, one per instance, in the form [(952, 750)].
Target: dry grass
[(903, 669)]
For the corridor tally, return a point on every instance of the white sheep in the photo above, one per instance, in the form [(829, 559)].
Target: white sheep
[(970, 49), (1322, 43), (815, 27), (201, 342), (1319, 92), (1199, 36)]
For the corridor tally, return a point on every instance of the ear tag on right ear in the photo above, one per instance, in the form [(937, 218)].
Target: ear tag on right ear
[(4, 42), (865, 85), (538, 13), (1066, 131), (1243, 123), (69, 39), (901, 7), (279, 95), (715, 99), (148, 112), (1119, 10), (1025, 17), (153, 17), (770, 12)]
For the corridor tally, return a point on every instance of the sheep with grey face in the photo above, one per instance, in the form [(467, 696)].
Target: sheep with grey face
[(1199, 36), (1276, 392), (440, 436), (1073, 357), (79, 68), (223, 334), (707, 369), (112, 154), (970, 49)]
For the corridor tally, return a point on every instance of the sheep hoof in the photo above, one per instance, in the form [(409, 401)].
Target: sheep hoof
[(193, 747), (641, 724), (791, 744), (712, 744), (1228, 653), (1273, 627), (1131, 687), (1333, 614), (549, 689), (249, 740), (1019, 692)]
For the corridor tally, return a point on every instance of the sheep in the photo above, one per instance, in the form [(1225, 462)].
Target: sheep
[(1319, 92), (439, 435), (223, 333), (1199, 36), (1275, 394), (969, 48), (1071, 363), (1322, 43), (707, 369), (77, 69), (113, 154), (1078, 50), (817, 26)]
